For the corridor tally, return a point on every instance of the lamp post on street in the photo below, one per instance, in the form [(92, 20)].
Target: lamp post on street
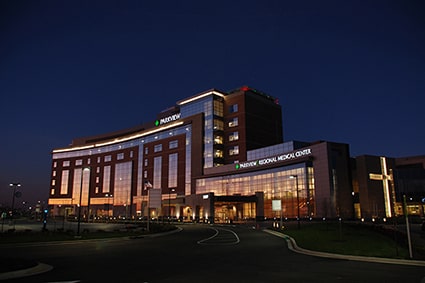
[(81, 194), (298, 199), (169, 203), (108, 197), (148, 185)]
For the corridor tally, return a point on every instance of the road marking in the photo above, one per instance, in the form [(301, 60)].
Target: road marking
[(220, 238)]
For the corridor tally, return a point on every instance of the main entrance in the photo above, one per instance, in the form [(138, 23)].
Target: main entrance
[(229, 209)]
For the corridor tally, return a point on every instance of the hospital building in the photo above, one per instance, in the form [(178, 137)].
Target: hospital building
[(219, 157)]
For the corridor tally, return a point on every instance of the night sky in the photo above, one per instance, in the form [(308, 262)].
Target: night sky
[(343, 71)]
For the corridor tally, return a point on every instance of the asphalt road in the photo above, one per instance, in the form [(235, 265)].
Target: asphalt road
[(200, 253)]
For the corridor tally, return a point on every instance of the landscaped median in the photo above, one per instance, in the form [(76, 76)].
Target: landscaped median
[(132, 230), (339, 238)]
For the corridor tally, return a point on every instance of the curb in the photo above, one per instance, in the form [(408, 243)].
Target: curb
[(292, 245), (39, 268)]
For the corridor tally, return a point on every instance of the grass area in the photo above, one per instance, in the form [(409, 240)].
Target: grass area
[(346, 238), (46, 236)]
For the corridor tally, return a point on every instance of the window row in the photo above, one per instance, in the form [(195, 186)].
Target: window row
[(106, 158), (158, 147)]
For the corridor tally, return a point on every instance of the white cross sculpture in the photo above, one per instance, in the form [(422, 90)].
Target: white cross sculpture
[(385, 178)]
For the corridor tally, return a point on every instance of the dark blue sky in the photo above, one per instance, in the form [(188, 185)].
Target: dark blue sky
[(344, 71)]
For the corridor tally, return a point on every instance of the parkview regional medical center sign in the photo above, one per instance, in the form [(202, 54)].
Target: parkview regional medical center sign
[(274, 159)]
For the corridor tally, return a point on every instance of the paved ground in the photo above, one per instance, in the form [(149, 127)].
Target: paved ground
[(15, 267)]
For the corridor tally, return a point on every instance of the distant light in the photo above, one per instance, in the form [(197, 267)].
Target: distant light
[(244, 88)]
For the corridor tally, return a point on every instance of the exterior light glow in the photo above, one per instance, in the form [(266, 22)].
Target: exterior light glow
[(200, 96), (119, 140)]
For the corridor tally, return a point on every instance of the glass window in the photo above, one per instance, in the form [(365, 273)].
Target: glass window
[(120, 156), (234, 150), (157, 148), (55, 164), (234, 136), (173, 144), (78, 162), (233, 108), (218, 153), (108, 158), (53, 182), (234, 122), (54, 173), (218, 124), (81, 183), (218, 139), (218, 108), (106, 179), (146, 162), (64, 183), (146, 150), (65, 163), (131, 154), (122, 183), (157, 166), (172, 170)]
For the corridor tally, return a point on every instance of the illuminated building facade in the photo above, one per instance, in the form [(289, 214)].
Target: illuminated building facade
[(215, 156), (381, 184)]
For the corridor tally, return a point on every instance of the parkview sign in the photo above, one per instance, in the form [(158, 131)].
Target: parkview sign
[(167, 119), (274, 159)]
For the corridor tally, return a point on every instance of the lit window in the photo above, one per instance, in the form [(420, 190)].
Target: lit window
[(234, 136), (234, 150), (120, 156), (65, 164), (218, 124), (64, 184), (234, 122), (107, 158), (146, 162), (78, 162), (218, 153), (218, 139)]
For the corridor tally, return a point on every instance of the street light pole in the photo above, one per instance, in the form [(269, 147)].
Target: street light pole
[(81, 194), (14, 185), (298, 199), (169, 203), (148, 185)]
